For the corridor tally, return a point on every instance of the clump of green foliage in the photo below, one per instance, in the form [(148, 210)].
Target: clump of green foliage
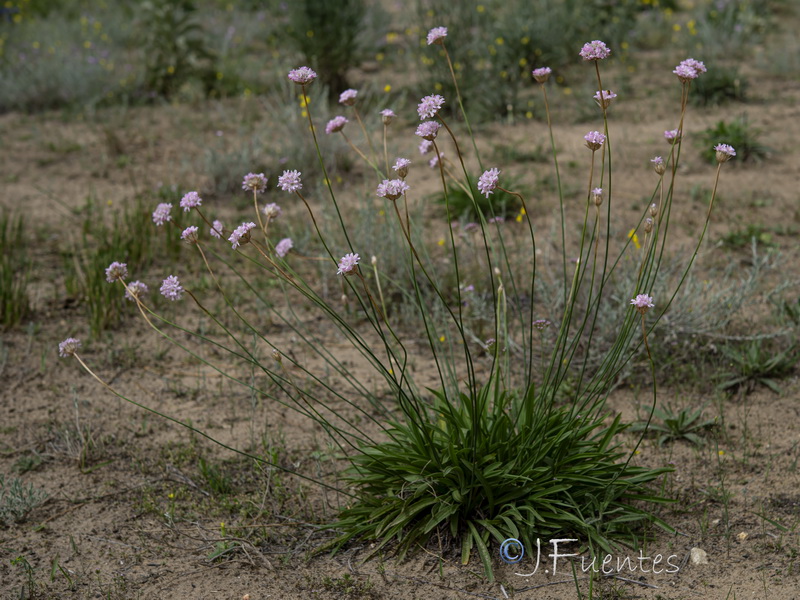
[(719, 85), (669, 424), (17, 499), (739, 134)]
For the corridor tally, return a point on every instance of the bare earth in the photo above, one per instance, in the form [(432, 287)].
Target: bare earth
[(128, 515)]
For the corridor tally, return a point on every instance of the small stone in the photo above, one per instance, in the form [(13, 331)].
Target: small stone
[(742, 536), (698, 556)]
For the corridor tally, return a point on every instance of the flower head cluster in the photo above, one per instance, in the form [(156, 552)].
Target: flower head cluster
[(425, 146), (437, 35), (685, 73), (348, 97), (595, 50), (489, 181), (290, 181), (216, 229), (428, 130), (429, 106), (672, 135), (68, 347), (282, 248), (336, 124), (604, 100), (387, 114), (171, 288), (348, 264), (302, 76), (392, 189), (136, 289), (725, 152), (271, 211), (541, 324), (116, 270), (189, 235), (542, 74), (401, 166), (594, 140), (254, 182), (434, 161), (241, 235), (643, 303), (689, 69), (190, 201), (161, 214)]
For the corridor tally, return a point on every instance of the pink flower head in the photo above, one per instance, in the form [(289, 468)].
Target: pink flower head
[(68, 347), (643, 303), (425, 146), (434, 161), (488, 181), (595, 50), (161, 214), (241, 235), (672, 135), (685, 72), (437, 35), (392, 189), (387, 114), (290, 181), (428, 130), (189, 235), (697, 65), (254, 182), (348, 97), (401, 166), (541, 324), (336, 124), (271, 211), (496, 220), (658, 165), (302, 76), (725, 152), (171, 288), (429, 106), (190, 201), (116, 270), (282, 248), (604, 100), (348, 264), (216, 229), (136, 289), (594, 140), (542, 74)]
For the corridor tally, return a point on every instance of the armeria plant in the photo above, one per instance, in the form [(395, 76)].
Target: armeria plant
[(491, 451)]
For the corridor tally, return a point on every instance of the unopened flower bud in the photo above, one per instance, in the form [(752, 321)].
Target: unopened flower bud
[(344, 298), (276, 356), (497, 271), (658, 165), (653, 210), (648, 225), (374, 260)]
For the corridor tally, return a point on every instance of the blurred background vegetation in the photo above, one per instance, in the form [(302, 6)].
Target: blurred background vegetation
[(80, 54)]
